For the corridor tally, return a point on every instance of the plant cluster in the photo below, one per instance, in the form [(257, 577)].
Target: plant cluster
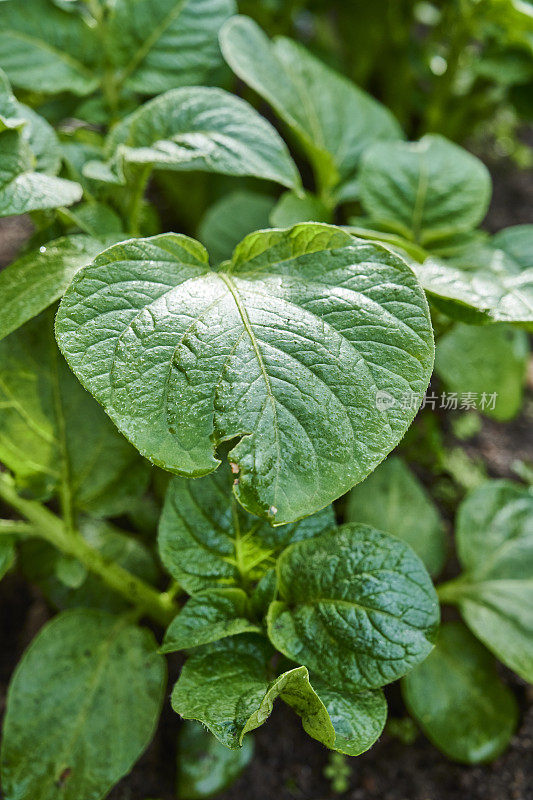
[(178, 414)]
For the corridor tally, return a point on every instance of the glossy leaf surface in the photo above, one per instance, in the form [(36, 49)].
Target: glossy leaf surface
[(288, 347), (355, 605), (227, 687), (206, 129), (207, 617)]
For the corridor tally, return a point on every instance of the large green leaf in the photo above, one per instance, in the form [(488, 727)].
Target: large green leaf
[(46, 49), (289, 347), (485, 283), (21, 188), (207, 617), (205, 766), (206, 539), (356, 605), (81, 665), (487, 364), (227, 687), (202, 128), (232, 218), (162, 44), (39, 278), (424, 190), (459, 700), (333, 119), (495, 594), (53, 436), (391, 499)]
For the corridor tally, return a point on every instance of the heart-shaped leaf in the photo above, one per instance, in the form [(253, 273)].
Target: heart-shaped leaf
[(333, 119), (459, 699), (424, 190), (356, 605), (201, 128), (494, 535), (291, 347)]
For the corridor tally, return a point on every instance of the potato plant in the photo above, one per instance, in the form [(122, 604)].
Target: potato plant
[(181, 412)]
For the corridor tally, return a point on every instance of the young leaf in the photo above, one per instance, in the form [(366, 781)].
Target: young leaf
[(494, 535), (391, 499), (206, 129), (82, 664), (232, 218), (226, 687), (424, 190), (206, 539), (333, 119), (206, 767), (489, 363), (54, 437), (459, 700), (45, 49), (183, 357), (356, 605), (485, 283), (39, 278), (207, 617), (158, 46), (39, 563)]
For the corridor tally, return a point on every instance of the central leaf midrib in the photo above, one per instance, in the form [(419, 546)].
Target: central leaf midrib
[(255, 344)]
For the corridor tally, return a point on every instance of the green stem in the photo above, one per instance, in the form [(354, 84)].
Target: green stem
[(160, 606), (15, 526), (450, 591), (412, 249), (137, 197)]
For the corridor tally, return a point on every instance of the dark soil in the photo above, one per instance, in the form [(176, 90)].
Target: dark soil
[(288, 765)]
